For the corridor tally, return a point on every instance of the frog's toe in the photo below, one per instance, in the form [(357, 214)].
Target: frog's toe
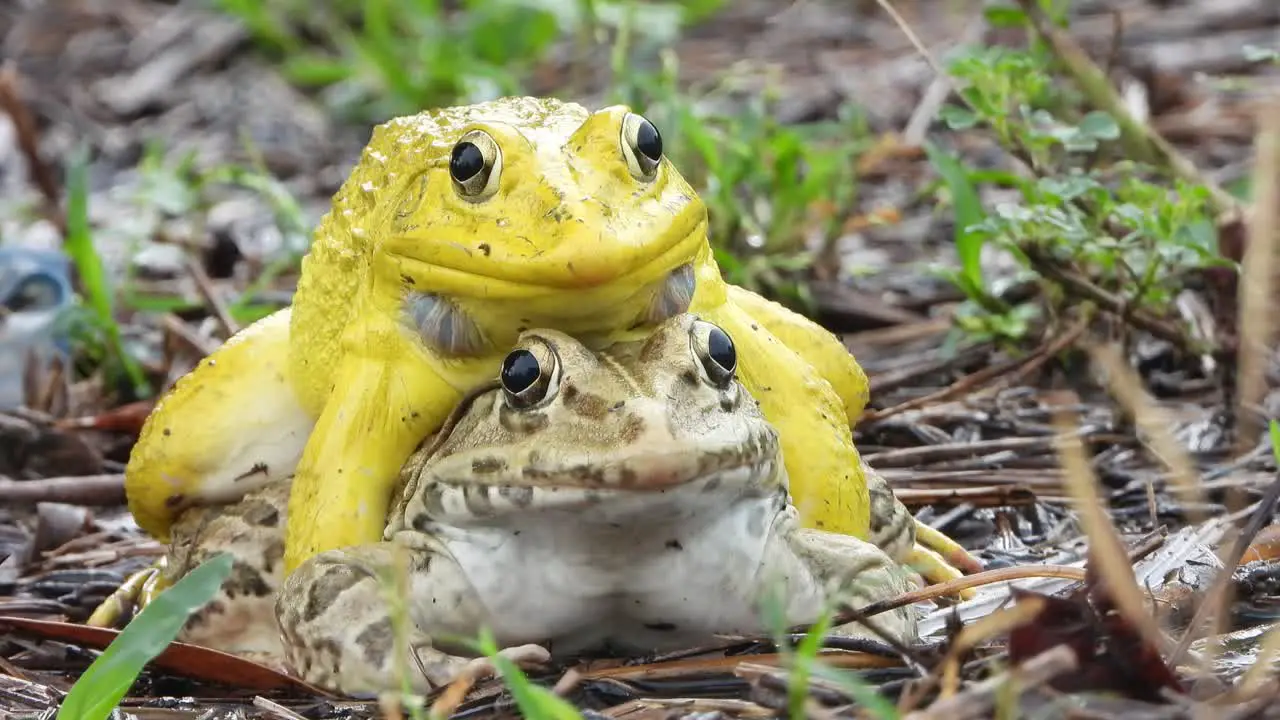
[(932, 567), (951, 551), (524, 656), (134, 594), (940, 559)]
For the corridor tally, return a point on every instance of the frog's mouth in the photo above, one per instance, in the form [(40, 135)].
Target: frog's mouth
[(464, 488), (480, 268)]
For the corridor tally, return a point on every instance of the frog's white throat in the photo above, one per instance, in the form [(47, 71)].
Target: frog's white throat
[(633, 571)]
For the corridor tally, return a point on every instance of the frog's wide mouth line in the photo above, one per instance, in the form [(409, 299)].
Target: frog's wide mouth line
[(469, 277), (449, 502)]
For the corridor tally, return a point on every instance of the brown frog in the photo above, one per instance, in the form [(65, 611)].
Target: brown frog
[(633, 498)]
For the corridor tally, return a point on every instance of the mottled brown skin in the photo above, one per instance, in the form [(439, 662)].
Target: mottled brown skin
[(634, 447), (640, 504)]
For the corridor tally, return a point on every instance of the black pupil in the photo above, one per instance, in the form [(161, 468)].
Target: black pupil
[(720, 348), (648, 141), (466, 161), (520, 371)]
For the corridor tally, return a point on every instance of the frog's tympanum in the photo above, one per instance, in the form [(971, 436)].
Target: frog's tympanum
[(458, 229), (630, 500)]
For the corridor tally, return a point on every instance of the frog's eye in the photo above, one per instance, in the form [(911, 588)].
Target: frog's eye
[(475, 165), (714, 349), (641, 146), (529, 376)]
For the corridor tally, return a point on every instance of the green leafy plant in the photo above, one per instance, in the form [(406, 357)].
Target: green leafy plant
[(378, 58), (112, 673), (1119, 225), (777, 194)]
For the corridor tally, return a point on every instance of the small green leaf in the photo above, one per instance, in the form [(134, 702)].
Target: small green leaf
[(968, 211), (1275, 440), (1253, 53), (1099, 125), (93, 277), (534, 701), (958, 118), (101, 687), (1005, 16)]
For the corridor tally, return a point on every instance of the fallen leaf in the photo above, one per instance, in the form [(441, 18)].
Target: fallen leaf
[(190, 661)]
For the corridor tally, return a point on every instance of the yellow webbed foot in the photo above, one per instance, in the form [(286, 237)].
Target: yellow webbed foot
[(134, 594), (937, 567)]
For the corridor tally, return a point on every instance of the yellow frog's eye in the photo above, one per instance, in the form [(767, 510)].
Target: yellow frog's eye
[(641, 146), (714, 350), (530, 376), (475, 165)]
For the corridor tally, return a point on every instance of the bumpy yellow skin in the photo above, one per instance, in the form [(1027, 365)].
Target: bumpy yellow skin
[(340, 388)]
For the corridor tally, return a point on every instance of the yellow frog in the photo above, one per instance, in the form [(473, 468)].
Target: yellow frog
[(458, 229)]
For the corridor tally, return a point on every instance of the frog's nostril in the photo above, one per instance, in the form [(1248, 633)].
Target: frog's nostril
[(673, 297)]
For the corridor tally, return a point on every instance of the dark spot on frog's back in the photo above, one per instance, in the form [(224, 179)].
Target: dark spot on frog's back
[(488, 465), (273, 553), (518, 495), (375, 641), (333, 582), (261, 513), (521, 423), (587, 405), (245, 580), (632, 428)]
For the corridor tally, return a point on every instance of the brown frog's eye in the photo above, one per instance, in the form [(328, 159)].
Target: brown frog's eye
[(714, 350), (641, 146), (530, 376), (475, 165)]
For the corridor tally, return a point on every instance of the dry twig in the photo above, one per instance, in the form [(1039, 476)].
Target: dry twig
[(1256, 279), (99, 490)]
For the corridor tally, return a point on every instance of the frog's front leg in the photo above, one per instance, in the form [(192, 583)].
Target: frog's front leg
[(337, 624), (379, 410), (815, 570)]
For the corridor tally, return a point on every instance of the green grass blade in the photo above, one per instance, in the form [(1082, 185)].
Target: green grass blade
[(109, 678), (968, 212), (535, 702), (93, 279)]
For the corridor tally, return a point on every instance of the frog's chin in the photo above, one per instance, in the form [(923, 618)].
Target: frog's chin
[(447, 326)]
